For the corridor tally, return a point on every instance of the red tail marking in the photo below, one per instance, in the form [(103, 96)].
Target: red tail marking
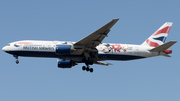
[(152, 44), (168, 51), (164, 30)]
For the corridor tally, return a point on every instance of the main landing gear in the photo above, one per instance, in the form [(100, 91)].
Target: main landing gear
[(88, 62), (87, 69), (16, 57)]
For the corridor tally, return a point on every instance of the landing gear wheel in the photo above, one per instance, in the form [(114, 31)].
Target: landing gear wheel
[(17, 61), (16, 57), (91, 70), (87, 69), (83, 68)]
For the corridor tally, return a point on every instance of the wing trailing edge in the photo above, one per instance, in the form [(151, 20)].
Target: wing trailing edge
[(103, 63)]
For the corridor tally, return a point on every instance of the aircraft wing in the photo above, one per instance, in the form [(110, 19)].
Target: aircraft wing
[(102, 63), (95, 38)]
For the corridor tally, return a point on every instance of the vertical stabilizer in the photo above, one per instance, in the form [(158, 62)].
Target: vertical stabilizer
[(158, 38)]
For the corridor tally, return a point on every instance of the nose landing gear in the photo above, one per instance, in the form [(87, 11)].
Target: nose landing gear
[(16, 57), (17, 61)]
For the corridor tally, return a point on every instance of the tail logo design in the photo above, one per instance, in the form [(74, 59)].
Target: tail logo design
[(159, 37)]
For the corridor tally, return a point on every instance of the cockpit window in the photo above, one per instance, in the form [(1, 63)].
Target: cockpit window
[(8, 45)]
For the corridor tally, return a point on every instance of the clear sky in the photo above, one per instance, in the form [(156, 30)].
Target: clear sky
[(39, 79)]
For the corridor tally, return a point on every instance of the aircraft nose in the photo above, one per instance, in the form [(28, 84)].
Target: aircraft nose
[(4, 48)]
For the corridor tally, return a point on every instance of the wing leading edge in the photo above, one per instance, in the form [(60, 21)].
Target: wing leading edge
[(95, 38)]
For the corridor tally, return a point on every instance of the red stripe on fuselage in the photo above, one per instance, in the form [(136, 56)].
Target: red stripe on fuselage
[(23, 43)]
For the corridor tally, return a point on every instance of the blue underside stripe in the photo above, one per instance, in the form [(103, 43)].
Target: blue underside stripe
[(118, 57), (53, 55)]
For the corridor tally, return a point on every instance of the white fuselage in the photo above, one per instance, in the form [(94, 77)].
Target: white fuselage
[(106, 51)]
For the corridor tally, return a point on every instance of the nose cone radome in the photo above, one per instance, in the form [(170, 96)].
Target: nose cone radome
[(4, 49)]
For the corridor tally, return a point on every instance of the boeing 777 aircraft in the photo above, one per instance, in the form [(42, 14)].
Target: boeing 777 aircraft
[(90, 50)]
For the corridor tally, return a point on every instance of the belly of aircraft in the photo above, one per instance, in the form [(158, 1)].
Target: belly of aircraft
[(74, 57)]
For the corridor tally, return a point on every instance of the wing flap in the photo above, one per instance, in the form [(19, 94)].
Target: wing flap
[(102, 63)]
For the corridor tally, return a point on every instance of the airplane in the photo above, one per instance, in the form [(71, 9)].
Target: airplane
[(90, 50)]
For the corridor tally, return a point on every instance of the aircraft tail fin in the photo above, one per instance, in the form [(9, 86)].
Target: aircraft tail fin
[(158, 38)]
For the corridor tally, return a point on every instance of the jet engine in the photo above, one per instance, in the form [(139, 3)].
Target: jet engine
[(63, 49), (65, 63)]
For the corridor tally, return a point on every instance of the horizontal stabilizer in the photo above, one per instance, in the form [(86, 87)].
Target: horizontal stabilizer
[(164, 46), (102, 63), (166, 55)]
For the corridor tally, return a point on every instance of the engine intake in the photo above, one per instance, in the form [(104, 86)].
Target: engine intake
[(65, 63), (63, 49)]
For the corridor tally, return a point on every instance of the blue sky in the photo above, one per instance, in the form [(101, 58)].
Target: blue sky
[(152, 79)]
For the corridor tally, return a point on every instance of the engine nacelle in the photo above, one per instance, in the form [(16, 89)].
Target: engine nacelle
[(63, 49), (65, 63)]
